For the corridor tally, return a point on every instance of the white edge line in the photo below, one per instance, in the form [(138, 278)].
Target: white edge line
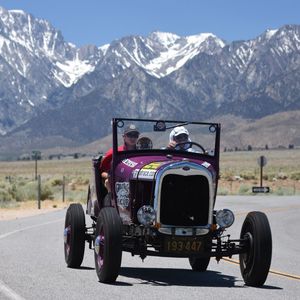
[(4, 289), (2, 236), (8, 292)]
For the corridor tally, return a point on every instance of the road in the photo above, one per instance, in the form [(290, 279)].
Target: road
[(32, 262)]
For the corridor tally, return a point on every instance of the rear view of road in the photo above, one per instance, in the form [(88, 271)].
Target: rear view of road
[(32, 262)]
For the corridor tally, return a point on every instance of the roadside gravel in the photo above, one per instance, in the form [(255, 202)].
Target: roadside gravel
[(30, 208)]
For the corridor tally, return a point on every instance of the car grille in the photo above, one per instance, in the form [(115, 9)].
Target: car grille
[(184, 200)]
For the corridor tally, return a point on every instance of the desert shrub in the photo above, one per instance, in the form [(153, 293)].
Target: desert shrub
[(72, 186), (12, 189), (284, 191), (244, 189), (26, 192), (222, 191), (22, 182), (8, 204), (56, 182), (81, 180), (76, 196), (227, 176), (269, 176), (30, 192), (46, 192), (295, 176), (5, 195), (247, 176), (282, 176)]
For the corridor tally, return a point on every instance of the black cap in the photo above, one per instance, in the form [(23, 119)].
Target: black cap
[(131, 128)]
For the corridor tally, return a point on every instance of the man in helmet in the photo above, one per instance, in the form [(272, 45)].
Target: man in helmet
[(130, 136), (180, 140)]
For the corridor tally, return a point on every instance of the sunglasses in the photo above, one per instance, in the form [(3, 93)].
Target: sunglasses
[(132, 135), (181, 137)]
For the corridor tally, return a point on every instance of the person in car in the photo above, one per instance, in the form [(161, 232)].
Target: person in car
[(180, 140), (130, 137), (144, 143)]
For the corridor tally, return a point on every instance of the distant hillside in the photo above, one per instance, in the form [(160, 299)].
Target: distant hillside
[(281, 129)]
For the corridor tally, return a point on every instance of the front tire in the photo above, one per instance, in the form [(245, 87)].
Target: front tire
[(108, 245), (74, 235), (255, 263)]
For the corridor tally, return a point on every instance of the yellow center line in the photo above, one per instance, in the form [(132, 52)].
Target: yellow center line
[(279, 273)]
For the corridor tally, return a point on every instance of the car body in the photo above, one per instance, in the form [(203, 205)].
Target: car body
[(162, 204)]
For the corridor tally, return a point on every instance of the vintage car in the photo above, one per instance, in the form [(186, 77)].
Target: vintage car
[(162, 204)]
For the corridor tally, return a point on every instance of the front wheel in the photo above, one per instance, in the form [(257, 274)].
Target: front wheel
[(108, 245), (74, 235), (255, 262)]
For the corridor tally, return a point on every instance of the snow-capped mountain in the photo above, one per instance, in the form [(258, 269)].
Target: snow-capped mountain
[(21, 31), (162, 53), (51, 88), (37, 62)]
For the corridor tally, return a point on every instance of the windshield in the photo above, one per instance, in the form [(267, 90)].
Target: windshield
[(149, 135)]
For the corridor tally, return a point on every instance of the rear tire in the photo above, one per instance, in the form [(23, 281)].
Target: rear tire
[(199, 264), (255, 263), (74, 235), (108, 245)]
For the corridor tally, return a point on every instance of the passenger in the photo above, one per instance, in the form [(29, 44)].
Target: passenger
[(144, 143), (180, 140), (130, 136)]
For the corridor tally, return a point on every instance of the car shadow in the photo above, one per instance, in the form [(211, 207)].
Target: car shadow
[(168, 276), (85, 268)]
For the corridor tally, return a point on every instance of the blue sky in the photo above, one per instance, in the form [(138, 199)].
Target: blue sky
[(100, 22)]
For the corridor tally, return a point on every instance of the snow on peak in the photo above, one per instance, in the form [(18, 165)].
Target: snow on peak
[(202, 37), (270, 33), (72, 70), (178, 51), (104, 48), (17, 11), (165, 38)]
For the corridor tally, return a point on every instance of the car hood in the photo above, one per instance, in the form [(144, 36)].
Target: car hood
[(145, 167)]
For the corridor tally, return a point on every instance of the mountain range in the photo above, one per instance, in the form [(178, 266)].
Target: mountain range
[(53, 93)]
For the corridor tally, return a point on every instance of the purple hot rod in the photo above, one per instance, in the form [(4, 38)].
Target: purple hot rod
[(162, 204)]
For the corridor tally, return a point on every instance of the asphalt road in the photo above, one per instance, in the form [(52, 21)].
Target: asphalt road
[(32, 262)]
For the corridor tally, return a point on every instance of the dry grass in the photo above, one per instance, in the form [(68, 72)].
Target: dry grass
[(30, 208), (240, 170), (67, 167)]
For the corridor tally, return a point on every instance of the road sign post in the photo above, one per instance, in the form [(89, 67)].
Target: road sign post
[(36, 155), (262, 161)]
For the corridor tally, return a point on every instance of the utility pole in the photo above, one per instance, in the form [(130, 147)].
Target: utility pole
[(36, 155)]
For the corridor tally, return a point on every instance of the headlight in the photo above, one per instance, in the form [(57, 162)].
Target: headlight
[(146, 215), (224, 218)]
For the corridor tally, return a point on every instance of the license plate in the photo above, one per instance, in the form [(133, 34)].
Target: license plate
[(182, 245)]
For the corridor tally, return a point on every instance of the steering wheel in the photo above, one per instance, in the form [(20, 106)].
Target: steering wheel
[(191, 144)]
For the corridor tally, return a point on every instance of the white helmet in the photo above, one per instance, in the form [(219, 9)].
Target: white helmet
[(177, 131)]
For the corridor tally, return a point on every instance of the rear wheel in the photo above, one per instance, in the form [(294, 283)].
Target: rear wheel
[(255, 263), (199, 264), (108, 245), (74, 235)]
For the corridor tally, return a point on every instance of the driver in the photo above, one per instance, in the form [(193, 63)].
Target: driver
[(130, 136), (180, 135)]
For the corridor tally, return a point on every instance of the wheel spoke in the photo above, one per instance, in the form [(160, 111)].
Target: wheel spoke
[(99, 249)]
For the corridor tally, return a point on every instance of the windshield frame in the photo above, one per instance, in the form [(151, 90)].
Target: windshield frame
[(215, 126)]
